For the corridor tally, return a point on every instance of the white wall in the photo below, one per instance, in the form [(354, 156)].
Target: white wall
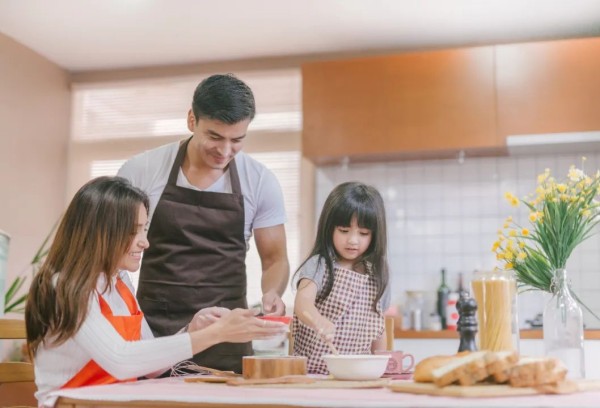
[(35, 103), (442, 213)]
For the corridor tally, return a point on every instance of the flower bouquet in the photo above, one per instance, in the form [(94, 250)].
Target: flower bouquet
[(562, 215)]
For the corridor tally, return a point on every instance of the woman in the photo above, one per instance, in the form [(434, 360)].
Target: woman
[(84, 326)]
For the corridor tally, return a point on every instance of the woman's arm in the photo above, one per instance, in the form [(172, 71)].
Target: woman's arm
[(128, 359)]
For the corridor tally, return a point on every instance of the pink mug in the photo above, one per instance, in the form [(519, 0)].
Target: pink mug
[(396, 363)]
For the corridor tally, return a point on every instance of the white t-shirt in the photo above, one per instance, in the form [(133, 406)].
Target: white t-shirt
[(98, 340), (263, 199)]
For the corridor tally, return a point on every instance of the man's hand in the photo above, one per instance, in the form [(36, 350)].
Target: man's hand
[(207, 316), (272, 304)]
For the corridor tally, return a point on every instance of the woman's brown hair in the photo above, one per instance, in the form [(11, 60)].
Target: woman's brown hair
[(95, 232)]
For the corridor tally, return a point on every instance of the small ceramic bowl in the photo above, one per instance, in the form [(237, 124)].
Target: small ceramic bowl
[(356, 367), (273, 345)]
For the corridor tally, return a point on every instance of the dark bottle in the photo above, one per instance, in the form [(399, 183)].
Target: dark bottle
[(442, 299), (461, 287)]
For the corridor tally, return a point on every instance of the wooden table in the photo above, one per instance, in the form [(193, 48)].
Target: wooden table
[(174, 392)]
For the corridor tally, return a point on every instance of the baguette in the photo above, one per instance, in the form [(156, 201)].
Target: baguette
[(425, 367)]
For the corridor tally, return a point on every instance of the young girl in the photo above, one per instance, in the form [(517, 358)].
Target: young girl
[(343, 285), (84, 325)]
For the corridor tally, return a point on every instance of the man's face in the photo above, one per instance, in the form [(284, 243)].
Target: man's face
[(216, 143)]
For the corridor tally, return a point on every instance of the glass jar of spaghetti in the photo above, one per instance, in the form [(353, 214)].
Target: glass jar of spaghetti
[(496, 296)]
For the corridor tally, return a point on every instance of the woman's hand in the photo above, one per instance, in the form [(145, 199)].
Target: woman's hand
[(240, 326), (205, 317)]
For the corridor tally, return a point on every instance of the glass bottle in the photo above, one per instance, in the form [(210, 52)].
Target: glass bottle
[(563, 326), (496, 296), (442, 299)]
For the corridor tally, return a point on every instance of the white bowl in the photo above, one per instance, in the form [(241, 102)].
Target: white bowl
[(356, 367)]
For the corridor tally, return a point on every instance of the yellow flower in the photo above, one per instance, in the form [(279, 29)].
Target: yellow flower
[(509, 265), (542, 177), (514, 202), (561, 188), (495, 246), (512, 233), (521, 244), (575, 174), (533, 216), (525, 232), (521, 256)]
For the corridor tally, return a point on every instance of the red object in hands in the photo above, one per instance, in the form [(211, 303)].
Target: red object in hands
[(281, 319)]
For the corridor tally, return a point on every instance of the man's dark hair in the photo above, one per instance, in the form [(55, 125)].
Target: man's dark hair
[(224, 98)]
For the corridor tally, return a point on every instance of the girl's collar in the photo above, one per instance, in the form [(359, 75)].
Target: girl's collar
[(363, 267)]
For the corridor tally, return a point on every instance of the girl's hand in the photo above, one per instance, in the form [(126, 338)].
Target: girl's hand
[(207, 316), (325, 329), (240, 326)]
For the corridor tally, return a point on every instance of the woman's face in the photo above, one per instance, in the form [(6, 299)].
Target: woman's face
[(351, 242), (132, 258)]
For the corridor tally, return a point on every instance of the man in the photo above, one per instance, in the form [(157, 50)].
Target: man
[(206, 199)]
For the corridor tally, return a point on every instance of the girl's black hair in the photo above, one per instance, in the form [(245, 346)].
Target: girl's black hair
[(345, 201)]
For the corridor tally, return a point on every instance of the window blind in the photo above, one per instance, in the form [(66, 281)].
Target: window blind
[(147, 108)]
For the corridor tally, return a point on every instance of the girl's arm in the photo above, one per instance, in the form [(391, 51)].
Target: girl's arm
[(304, 306)]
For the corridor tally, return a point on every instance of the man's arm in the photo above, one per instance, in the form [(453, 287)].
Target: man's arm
[(272, 249)]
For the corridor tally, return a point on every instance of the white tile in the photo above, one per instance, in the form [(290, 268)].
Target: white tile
[(469, 226), (470, 208), (506, 168), (469, 171)]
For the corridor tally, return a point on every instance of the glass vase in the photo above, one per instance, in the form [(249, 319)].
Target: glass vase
[(563, 326)]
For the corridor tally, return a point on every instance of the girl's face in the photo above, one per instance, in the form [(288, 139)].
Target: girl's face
[(351, 242), (131, 260)]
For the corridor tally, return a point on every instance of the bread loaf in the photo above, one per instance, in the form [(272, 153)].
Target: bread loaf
[(466, 370), (533, 372), (500, 369)]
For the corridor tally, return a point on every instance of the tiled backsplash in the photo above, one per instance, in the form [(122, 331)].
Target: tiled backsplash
[(444, 213)]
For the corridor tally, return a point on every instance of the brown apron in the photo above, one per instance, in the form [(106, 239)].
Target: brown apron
[(196, 259)]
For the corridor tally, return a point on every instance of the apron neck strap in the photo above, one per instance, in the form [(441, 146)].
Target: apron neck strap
[(233, 174)]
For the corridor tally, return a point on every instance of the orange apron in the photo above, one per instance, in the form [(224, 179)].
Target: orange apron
[(129, 327)]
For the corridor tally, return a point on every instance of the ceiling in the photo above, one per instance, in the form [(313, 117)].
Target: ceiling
[(111, 34)]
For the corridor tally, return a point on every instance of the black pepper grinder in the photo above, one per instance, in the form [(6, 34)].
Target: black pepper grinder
[(467, 322)]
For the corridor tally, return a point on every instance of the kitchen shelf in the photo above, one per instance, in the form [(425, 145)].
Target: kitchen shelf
[(451, 334)]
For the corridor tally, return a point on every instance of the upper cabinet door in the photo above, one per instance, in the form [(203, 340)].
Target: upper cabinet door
[(381, 107), (548, 87)]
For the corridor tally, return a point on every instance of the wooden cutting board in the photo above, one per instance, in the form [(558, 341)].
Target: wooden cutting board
[(306, 382), (262, 367), (491, 390)]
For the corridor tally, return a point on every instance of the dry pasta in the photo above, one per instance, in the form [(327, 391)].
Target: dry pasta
[(495, 313)]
